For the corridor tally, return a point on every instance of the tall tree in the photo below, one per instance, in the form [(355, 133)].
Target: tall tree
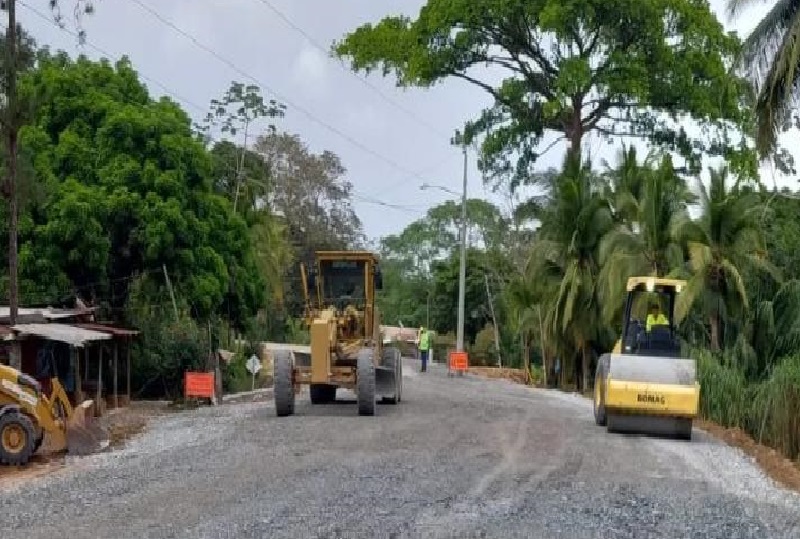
[(13, 118), (771, 52), (617, 68), (651, 204), (725, 242), (310, 191), (310, 194), (235, 112), (574, 220), (128, 191)]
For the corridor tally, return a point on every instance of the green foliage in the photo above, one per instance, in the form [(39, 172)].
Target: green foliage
[(165, 349), (612, 67), (128, 191), (484, 352), (771, 55)]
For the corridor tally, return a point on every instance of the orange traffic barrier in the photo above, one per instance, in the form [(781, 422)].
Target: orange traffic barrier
[(458, 362), (198, 384)]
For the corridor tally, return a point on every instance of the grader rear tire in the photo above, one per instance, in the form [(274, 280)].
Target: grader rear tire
[(283, 384), (365, 384), (393, 360), (17, 439)]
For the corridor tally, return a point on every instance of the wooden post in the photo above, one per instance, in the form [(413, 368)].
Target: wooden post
[(128, 365), (116, 358), (99, 380), (77, 367)]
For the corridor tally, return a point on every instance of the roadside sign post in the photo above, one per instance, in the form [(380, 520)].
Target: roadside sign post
[(253, 366)]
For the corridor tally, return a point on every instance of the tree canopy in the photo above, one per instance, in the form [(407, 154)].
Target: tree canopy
[(616, 68)]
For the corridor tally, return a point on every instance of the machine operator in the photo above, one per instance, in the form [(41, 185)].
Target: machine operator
[(655, 317)]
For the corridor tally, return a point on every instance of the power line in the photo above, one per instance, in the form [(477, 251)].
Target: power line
[(179, 98), (275, 93), (97, 49), (363, 80)]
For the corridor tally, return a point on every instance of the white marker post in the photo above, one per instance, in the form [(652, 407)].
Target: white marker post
[(253, 366)]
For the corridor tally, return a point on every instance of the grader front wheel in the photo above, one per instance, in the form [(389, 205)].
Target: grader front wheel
[(283, 384), (365, 384)]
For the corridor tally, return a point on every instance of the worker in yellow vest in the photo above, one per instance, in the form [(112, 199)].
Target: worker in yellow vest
[(655, 317), (424, 348)]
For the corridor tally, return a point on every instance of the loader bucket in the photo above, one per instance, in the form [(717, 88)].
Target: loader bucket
[(84, 435)]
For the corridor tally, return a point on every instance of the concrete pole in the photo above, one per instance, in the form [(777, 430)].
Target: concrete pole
[(462, 273)]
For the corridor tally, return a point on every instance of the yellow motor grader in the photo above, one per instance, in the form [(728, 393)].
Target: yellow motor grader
[(30, 419), (346, 348)]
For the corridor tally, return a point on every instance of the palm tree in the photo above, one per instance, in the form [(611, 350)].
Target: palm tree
[(574, 219), (651, 205), (724, 242), (772, 47)]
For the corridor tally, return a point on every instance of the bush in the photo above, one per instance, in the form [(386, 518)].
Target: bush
[(776, 408), (768, 411), (163, 352), (723, 391)]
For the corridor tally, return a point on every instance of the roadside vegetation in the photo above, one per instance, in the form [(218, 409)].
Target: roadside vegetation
[(192, 231), (690, 203)]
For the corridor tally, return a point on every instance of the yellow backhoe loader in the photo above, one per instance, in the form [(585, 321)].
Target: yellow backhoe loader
[(645, 385), (29, 419), (346, 348)]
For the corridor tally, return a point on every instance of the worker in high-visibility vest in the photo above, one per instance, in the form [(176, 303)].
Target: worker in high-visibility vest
[(655, 317), (424, 348)]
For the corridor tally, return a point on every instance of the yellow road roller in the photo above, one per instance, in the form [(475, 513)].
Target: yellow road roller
[(644, 385)]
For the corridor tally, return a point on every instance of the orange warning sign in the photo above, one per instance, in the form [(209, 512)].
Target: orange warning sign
[(459, 361), (199, 384)]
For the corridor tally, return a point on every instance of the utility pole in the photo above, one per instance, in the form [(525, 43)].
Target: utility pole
[(428, 312), (494, 320), (462, 273), (11, 132)]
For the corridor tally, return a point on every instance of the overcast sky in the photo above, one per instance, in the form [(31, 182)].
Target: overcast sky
[(391, 141)]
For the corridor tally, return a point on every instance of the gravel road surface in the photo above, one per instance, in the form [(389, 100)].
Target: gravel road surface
[(459, 457)]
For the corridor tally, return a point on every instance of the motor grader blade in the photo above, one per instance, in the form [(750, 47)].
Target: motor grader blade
[(84, 435)]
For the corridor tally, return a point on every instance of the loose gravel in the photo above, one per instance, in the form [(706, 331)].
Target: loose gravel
[(459, 457)]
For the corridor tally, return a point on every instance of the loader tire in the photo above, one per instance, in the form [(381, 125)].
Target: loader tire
[(283, 384), (365, 383), (393, 360), (38, 443), (322, 393), (17, 439)]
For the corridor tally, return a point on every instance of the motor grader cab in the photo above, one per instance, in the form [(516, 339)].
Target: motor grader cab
[(346, 348), (644, 385), (30, 419)]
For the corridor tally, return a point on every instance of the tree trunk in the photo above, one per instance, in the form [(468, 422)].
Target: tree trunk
[(11, 181), (586, 353), (526, 358), (574, 127), (545, 366), (714, 323)]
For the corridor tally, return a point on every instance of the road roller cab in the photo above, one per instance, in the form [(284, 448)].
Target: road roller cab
[(645, 385)]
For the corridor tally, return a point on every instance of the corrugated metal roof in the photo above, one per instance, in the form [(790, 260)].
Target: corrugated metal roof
[(115, 331), (72, 335), (46, 312)]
